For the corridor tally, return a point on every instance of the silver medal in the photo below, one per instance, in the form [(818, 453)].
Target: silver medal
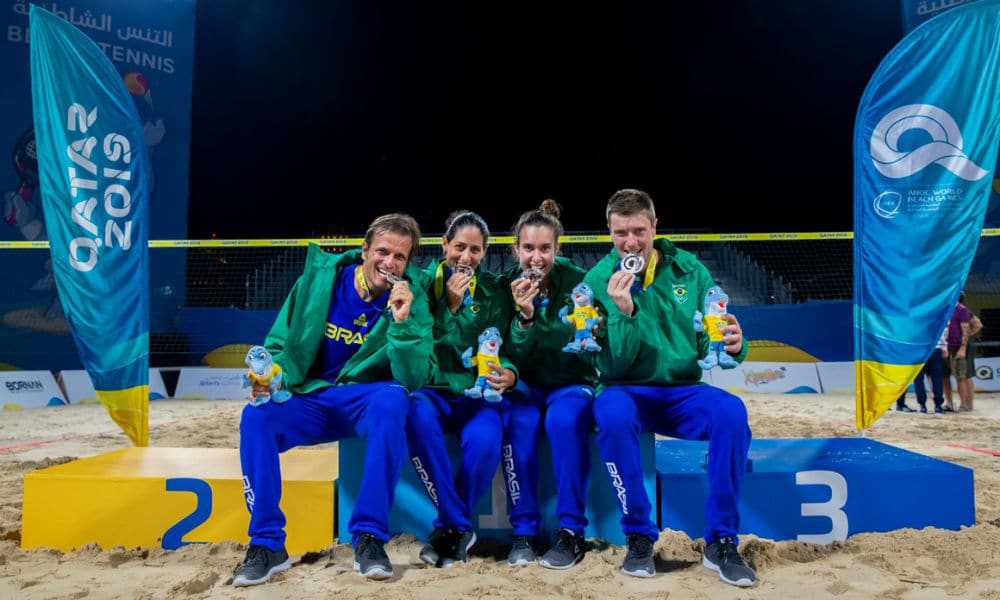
[(633, 263)]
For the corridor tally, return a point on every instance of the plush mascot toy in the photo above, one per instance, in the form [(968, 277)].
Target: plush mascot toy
[(262, 370), (583, 318), (489, 351), (711, 323)]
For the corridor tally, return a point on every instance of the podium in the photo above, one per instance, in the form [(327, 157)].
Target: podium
[(413, 512), (819, 489), (169, 497)]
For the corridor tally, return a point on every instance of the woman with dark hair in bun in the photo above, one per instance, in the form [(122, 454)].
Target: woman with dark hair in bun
[(562, 388)]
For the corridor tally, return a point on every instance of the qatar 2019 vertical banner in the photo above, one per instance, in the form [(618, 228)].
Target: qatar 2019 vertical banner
[(151, 44)]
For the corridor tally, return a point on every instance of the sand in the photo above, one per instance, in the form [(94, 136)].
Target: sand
[(902, 564)]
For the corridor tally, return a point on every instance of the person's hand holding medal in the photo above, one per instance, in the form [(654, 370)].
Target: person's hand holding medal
[(625, 281)]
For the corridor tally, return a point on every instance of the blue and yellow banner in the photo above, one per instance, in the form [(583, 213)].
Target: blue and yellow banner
[(151, 45), (925, 145), (93, 171)]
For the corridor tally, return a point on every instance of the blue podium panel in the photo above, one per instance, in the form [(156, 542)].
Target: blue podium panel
[(819, 489), (413, 512)]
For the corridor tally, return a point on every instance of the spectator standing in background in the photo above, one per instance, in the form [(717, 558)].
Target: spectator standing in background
[(933, 368), (960, 329)]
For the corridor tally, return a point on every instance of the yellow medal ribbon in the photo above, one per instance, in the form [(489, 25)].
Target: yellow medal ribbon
[(439, 281), (359, 278), (647, 277), (471, 292)]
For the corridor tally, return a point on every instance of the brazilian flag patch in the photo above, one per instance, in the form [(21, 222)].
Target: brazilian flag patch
[(680, 294)]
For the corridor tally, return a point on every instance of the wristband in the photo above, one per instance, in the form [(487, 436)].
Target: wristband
[(522, 319)]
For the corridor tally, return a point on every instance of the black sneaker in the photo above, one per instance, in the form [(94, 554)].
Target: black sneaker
[(459, 551), (522, 552), (567, 550), (438, 544), (904, 408), (923, 408), (260, 563), (370, 559), (639, 559), (723, 557)]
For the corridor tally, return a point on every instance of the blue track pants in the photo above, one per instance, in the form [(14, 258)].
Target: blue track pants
[(569, 421), (689, 412), (376, 411), (478, 425)]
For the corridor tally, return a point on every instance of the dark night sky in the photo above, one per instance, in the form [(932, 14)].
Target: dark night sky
[(315, 116)]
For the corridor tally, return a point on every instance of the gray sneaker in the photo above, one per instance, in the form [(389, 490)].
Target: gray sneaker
[(522, 552), (370, 559), (459, 551), (566, 551), (639, 558), (259, 564), (438, 544), (723, 557)]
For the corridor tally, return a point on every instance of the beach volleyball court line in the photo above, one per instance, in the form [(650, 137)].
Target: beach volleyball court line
[(983, 450)]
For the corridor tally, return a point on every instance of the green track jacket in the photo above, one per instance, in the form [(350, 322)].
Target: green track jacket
[(453, 333), (400, 351), (537, 350), (657, 345)]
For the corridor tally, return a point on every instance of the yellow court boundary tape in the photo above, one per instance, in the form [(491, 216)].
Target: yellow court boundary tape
[(433, 240)]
